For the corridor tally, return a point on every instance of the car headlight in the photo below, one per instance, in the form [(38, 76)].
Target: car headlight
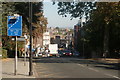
[(70, 53), (63, 53)]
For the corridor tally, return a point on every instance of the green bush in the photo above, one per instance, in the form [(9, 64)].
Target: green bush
[(4, 53)]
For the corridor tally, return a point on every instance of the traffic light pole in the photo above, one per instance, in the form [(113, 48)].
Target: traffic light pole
[(30, 27)]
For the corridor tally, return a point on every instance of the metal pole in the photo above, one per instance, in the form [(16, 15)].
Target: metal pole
[(25, 54), (16, 58), (30, 27)]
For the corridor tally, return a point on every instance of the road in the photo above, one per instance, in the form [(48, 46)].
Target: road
[(73, 68)]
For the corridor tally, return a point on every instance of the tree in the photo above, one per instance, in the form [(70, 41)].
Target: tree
[(38, 19), (75, 9), (7, 9), (39, 22), (102, 27), (101, 19)]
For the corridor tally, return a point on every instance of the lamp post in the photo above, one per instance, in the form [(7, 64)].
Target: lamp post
[(30, 27)]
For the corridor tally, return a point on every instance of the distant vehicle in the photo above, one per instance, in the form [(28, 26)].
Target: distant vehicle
[(60, 53), (33, 51), (40, 54), (67, 53), (76, 53), (53, 48)]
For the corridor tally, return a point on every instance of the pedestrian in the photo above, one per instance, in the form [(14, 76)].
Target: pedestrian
[(48, 53), (37, 51), (23, 52)]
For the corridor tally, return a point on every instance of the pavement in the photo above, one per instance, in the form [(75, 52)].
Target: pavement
[(0, 67), (8, 69)]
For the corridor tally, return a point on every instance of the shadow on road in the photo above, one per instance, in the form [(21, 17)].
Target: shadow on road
[(114, 66), (108, 67)]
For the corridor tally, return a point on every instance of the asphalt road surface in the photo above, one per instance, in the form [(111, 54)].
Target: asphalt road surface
[(73, 68)]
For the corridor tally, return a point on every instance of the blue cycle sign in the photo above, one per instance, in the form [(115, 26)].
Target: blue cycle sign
[(14, 25)]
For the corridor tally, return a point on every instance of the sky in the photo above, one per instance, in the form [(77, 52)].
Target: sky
[(55, 20)]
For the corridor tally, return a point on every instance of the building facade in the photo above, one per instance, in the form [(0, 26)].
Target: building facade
[(76, 35), (46, 38)]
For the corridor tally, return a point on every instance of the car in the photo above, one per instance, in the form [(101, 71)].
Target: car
[(60, 53), (76, 53), (33, 51), (40, 54), (67, 53)]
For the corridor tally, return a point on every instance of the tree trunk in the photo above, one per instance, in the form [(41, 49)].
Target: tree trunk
[(106, 42)]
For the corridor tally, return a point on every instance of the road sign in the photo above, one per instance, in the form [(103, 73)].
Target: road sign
[(14, 25), (21, 39)]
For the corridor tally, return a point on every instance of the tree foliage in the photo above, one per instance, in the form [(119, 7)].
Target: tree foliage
[(75, 9), (102, 26), (39, 22)]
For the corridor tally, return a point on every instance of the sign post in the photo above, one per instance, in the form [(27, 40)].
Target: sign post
[(16, 58), (15, 29)]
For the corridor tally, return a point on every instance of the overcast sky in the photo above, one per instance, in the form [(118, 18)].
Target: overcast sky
[(55, 20)]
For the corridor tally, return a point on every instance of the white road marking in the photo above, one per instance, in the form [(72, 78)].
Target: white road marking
[(88, 68), (93, 69), (81, 65), (112, 76), (99, 71)]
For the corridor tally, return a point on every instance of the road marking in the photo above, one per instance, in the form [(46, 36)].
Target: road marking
[(88, 68), (99, 71), (112, 76), (93, 69), (81, 65)]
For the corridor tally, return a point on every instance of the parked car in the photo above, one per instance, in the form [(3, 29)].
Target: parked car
[(60, 53), (67, 53), (33, 51), (76, 53), (40, 54)]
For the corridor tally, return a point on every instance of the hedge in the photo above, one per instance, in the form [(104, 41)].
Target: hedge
[(4, 53)]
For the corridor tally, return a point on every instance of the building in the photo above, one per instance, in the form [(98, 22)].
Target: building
[(57, 40), (76, 35), (61, 36), (46, 38), (69, 40), (38, 41), (63, 43)]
